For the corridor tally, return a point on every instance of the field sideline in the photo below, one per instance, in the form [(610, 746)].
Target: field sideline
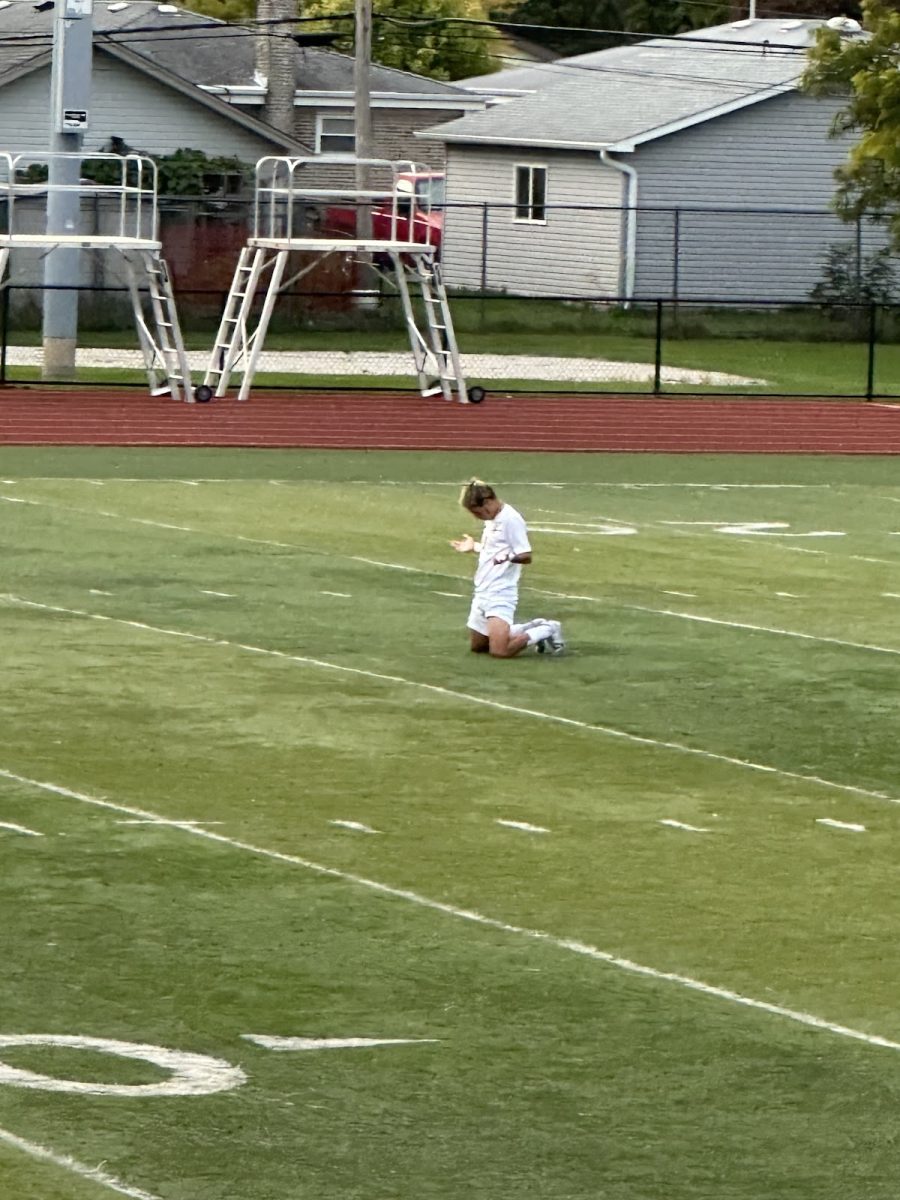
[(305, 901)]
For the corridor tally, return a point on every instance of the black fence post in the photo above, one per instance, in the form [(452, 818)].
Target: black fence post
[(873, 333), (676, 252), (657, 368), (4, 334), (484, 245)]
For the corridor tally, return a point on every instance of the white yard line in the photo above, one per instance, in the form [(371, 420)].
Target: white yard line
[(570, 945), (790, 633), (452, 694), (20, 829), (72, 1164), (449, 483), (662, 612)]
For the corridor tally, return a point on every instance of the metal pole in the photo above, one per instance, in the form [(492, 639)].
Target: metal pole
[(657, 366), (362, 113), (70, 89), (362, 106)]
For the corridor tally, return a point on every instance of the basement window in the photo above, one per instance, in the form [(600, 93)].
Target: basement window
[(531, 193)]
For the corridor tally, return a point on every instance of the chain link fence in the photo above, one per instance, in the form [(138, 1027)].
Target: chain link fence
[(838, 334)]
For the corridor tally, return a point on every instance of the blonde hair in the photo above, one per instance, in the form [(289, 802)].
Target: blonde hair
[(475, 492)]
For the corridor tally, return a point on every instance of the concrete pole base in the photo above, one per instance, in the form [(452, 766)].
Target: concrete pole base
[(59, 358)]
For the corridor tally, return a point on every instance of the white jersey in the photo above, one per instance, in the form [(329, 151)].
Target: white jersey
[(506, 534)]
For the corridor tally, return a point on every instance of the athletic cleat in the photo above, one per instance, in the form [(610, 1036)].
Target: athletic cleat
[(556, 643)]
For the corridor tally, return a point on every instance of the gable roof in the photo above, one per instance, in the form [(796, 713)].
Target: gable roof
[(200, 50), (616, 99)]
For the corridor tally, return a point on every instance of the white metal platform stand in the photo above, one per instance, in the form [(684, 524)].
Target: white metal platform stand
[(282, 204), (129, 207)]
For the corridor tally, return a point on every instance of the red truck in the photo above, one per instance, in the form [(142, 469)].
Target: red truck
[(415, 214)]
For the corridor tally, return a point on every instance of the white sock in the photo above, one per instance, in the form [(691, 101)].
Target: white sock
[(526, 625), (538, 632)]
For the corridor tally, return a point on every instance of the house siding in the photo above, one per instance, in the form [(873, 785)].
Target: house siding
[(576, 252), (151, 117), (737, 208), (773, 157)]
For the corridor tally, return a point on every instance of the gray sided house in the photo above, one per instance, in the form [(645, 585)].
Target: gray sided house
[(148, 106), (687, 168)]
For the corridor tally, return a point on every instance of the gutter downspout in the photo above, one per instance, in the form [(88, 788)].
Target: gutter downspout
[(631, 199)]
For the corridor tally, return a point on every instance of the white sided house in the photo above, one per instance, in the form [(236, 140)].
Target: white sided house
[(675, 168)]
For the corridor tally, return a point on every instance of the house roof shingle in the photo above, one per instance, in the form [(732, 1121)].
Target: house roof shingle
[(614, 99), (200, 49)]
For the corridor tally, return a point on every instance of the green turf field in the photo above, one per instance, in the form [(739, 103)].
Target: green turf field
[(302, 901)]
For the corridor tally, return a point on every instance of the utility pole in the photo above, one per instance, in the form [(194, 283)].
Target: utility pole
[(362, 106), (70, 90)]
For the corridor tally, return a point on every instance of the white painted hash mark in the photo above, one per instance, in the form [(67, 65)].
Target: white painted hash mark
[(841, 824), (94, 1174), (19, 829), (570, 945), (357, 825), (523, 825), (451, 595), (305, 1043), (342, 595), (224, 595), (682, 825), (145, 821), (687, 595), (496, 705)]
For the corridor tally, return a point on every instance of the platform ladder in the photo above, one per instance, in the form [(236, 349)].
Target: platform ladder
[(433, 341), (236, 338), (160, 338)]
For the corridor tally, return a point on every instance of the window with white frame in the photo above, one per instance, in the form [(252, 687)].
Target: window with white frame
[(531, 193), (335, 134)]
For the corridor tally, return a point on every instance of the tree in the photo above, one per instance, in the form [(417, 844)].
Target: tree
[(427, 37), (564, 26), (561, 25), (224, 10), (866, 69)]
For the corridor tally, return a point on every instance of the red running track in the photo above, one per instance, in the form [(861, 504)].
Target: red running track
[(402, 420)]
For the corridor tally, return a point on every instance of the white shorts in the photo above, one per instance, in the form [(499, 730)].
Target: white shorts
[(491, 604)]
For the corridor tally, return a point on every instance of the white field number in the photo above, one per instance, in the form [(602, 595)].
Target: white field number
[(189, 1074)]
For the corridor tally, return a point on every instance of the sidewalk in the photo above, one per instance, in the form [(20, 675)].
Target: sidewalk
[(476, 367)]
